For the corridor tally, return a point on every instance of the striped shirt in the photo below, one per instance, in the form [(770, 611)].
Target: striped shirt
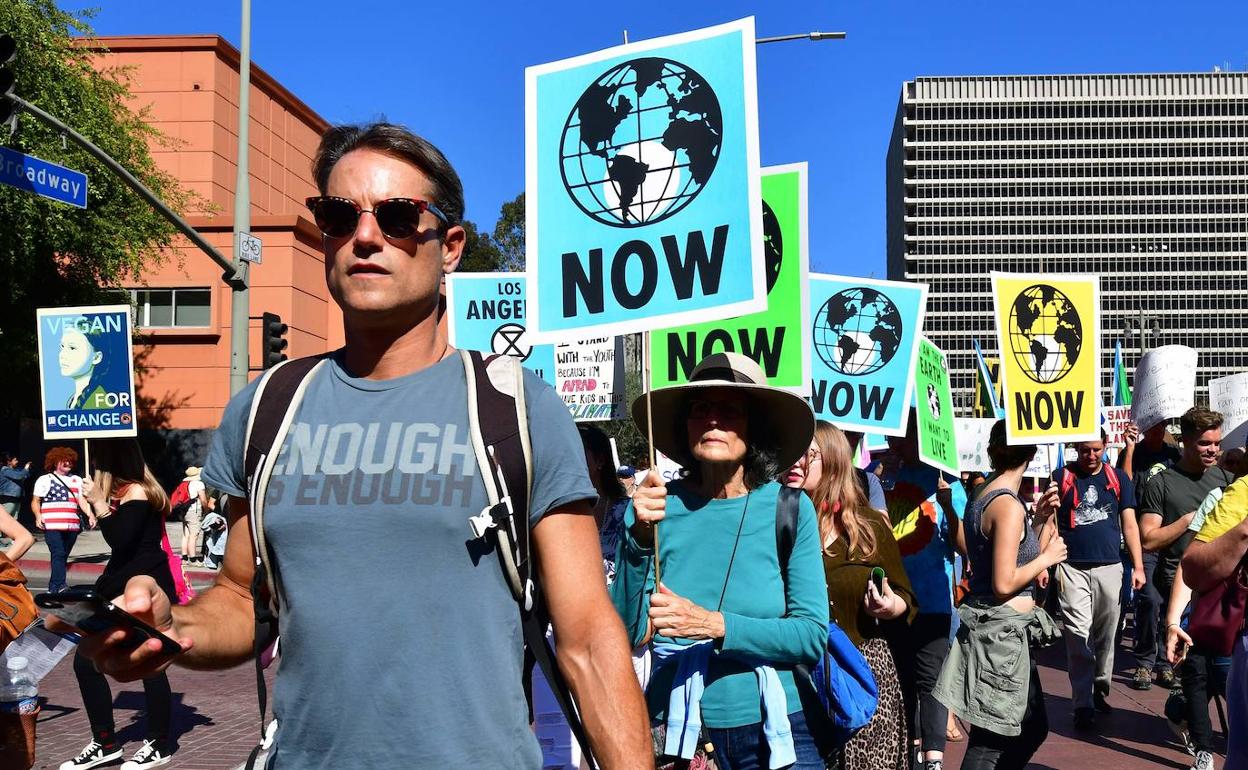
[(59, 504)]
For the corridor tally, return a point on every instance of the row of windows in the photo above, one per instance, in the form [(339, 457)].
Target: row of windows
[(170, 308), (1078, 227), (1050, 132), (1213, 248), (1155, 272), (1150, 207), (1079, 170), (942, 189), (1077, 109), (1107, 151), (1121, 299)]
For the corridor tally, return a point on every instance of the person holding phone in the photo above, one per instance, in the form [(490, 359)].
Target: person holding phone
[(868, 591), (130, 506)]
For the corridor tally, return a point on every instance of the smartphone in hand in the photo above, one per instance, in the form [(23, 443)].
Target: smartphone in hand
[(85, 609), (877, 579)]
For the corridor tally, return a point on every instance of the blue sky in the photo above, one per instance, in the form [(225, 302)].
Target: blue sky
[(454, 71)]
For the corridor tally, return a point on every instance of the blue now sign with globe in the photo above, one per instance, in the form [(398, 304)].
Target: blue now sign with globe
[(865, 335), (642, 186)]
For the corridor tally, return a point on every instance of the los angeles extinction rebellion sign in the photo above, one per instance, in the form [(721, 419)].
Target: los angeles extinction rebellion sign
[(1048, 330), (864, 335), (777, 338), (487, 312), (644, 207)]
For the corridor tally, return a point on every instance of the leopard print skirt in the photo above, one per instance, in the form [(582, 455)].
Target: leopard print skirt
[(881, 745)]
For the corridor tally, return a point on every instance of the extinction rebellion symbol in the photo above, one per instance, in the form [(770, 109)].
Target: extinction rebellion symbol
[(511, 340)]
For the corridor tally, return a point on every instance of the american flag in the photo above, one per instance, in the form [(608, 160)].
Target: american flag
[(59, 507)]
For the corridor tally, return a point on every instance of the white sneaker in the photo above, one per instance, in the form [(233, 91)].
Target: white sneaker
[(147, 756), (1204, 761), (93, 754)]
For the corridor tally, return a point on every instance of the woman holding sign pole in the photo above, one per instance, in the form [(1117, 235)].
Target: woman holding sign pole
[(728, 623)]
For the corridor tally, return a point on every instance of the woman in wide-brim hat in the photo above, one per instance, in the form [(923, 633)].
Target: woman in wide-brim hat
[(729, 623)]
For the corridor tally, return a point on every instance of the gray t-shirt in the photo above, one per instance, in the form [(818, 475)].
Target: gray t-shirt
[(401, 643)]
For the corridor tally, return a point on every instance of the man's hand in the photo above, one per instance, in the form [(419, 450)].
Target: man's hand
[(108, 649), (1137, 578), (1132, 434), (678, 618), (1177, 644), (649, 506)]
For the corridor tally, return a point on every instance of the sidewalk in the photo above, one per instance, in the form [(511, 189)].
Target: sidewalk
[(89, 556)]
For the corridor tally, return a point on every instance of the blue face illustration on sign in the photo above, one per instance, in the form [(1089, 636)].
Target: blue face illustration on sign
[(642, 186), (487, 312), (85, 369), (865, 337)]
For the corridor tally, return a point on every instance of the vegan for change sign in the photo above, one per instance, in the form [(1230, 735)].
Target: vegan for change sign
[(641, 177), (777, 338), (933, 405), (487, 312), (864, 338), (86, 373), (1048, 329)]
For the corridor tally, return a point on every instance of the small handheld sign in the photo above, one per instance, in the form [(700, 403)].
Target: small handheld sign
[(487, 312), (933, 405), (86, 372)]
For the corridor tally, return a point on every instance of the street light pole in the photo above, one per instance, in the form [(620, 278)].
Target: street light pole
[(816, 36), (240, 306)]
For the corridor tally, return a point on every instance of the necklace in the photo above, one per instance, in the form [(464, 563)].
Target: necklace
[(740, 525)]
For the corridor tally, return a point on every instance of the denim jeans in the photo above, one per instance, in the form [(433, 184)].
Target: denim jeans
[(1148, 603), (60, 543), (745, 747)]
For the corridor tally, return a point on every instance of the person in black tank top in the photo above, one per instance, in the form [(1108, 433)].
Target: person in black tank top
[(130, 506)]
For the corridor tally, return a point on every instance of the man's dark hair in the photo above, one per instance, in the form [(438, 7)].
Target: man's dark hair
[(398, 142), (762, 450), (1004, 456), (608, 480), (1197, 420), (5, 458)]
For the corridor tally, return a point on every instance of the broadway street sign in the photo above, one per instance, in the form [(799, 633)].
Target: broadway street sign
[(26, 172)]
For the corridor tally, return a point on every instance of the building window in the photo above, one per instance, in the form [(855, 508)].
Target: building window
[(171, 308)]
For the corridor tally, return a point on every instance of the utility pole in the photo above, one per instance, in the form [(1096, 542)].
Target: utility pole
[(240, 306)]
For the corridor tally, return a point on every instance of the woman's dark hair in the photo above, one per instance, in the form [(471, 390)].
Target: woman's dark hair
[(397, 142), (1004, 456), (762, 449), (605, 478)]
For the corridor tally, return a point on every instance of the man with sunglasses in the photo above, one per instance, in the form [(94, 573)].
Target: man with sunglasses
[(404, 649)]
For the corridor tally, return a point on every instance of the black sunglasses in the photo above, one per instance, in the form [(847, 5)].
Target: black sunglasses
[(397, 217)]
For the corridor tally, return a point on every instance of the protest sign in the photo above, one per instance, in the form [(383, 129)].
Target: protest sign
[(1048, 331), (86, 372), (874, 442), (1115, 419), (1229, 395), (1048, 457), (777, 338), (973, 436), (644, 208), (487, 312), (1164, 385), (933, 405), (864, 336), (589, 376)]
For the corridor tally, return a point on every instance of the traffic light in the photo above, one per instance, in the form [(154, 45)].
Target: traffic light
[(8, 109), (273, 340)]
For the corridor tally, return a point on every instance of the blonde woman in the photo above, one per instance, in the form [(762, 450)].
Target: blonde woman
[(856, 541), (130, 506)]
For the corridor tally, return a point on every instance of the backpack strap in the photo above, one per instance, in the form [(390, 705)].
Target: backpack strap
[(786, 526), (273, 408), (499, 426)]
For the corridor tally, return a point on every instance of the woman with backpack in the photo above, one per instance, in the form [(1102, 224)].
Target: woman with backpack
[(725, 621), (1001, 624), (130, 506), (857, 540)]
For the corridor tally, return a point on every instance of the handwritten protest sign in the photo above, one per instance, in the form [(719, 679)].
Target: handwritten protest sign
[(1115, 419), (865, 336), (641, 177), (487, 312), (933, 405), (1048, 331), (1229, 395), (589, 376), (777, 338), (973, 433), (1048, 458), (86, 372), (1164, 385)]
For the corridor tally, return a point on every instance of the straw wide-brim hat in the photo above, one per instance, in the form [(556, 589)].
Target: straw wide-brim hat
[(790, 416), (192, 473)]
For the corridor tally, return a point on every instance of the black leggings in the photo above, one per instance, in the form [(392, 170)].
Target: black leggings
[(920, 653), (98, 699), (986, 750)]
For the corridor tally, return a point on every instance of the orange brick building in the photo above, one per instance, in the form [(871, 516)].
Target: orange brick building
[(189, 84)]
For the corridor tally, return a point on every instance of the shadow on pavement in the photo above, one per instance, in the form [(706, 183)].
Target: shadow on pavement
[(185, 718)]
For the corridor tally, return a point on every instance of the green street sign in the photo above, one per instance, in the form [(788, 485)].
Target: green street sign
[(778, 338), (938, 444)]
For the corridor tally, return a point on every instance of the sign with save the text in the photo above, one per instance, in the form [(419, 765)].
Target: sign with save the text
[(641, 179), (1048, 329), (86, 372), (864, 339), (487, 312), (777, 338)]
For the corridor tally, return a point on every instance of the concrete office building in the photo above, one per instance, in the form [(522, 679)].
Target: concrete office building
[(1141, 179)]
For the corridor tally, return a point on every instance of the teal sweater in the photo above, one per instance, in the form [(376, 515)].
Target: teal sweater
[(762, 619)]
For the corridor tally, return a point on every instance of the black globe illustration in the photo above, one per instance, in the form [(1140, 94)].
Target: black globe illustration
[(857, 331), (1045, 333), (641, 142), (773, 246)]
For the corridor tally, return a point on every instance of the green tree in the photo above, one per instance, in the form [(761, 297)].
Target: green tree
[(52, 254), (480, 255), (509, 234)]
